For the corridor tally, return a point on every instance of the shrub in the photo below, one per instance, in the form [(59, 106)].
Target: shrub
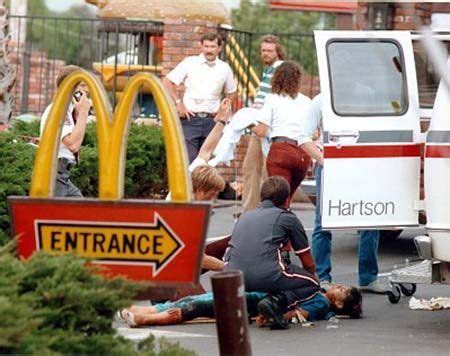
[(56, 305)]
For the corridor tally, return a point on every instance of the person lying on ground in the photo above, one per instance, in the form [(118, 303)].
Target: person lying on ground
[(338, 300)]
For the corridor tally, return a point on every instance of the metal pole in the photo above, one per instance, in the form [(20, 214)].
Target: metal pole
[(231, 313)]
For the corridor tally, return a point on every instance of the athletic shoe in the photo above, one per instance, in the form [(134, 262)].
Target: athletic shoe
[(270, 307), (374, 287)]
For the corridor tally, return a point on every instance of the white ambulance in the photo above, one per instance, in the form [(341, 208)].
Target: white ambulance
[(373, 142)]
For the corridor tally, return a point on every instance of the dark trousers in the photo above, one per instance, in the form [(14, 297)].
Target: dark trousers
[(297, 284), (64, 186), (288, 161), (196, 129)]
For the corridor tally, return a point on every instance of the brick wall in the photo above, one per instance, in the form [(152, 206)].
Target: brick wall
[(182, 38), (41, 79), (405, 16)]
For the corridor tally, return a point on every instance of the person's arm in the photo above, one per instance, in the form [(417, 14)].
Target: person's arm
[(172, 89), (260, 130), (312, 125), (299, 241), (74, 139), (173, 79), (230, 88), (307, 261), (214, 136), (211, 263), (313, 151)]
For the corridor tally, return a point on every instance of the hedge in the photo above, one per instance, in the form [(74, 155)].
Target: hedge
[(55, 305), (146, 174)]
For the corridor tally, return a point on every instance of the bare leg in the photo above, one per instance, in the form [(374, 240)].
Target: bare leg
[(168, 317)]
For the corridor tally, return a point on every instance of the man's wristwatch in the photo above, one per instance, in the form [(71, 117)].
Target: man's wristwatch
[(177, 101), (223, 122)]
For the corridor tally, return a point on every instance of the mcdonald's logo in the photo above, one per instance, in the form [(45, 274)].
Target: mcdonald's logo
[(139, 239)]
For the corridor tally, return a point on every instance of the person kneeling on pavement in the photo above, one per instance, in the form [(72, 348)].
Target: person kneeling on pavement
[(256, 246), (338, 300)]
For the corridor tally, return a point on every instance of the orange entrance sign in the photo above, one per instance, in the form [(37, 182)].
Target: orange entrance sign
[(140, 240)]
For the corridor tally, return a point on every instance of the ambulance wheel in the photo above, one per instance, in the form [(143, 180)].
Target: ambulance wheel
[(395, 294), (408, 289)]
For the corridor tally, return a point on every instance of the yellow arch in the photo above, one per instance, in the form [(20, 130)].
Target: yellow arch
[(112, 133)]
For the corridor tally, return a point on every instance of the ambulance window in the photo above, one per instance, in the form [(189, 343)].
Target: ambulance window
[(367, 78)]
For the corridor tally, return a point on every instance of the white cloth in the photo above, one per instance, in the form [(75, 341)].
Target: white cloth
[(204, 82), (63, 151), (286, 116), (436, 303), (243, 118)]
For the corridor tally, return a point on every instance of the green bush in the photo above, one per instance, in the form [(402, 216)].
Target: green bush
[(56, 305), (146, 175)]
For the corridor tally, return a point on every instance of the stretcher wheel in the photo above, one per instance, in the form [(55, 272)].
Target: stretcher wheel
[(408, 289), (395, 294)]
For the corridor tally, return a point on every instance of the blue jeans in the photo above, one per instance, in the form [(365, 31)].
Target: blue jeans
[(321, 245)]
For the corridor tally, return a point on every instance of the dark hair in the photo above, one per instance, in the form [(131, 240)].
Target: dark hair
[(276, 189), (286, 79), (352, 305), (64, 73), (276, 41), (211, 36)]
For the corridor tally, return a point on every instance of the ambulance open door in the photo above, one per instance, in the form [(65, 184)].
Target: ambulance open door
[(370, 118)]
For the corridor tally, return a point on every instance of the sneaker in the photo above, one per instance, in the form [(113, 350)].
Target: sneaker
[(325, 285), (374, 287), (270, 308)]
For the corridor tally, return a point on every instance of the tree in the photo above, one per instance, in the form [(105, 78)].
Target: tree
[(7, 75), (294, 28)]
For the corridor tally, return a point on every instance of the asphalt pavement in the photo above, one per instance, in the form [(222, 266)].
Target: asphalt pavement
[(385, 329)]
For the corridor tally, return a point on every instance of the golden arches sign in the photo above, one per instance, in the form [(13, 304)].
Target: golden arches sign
[(112, 133)]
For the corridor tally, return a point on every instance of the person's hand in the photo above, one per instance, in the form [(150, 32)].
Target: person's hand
[(83, 105), (224, 112), (183, 112), (299, 316)]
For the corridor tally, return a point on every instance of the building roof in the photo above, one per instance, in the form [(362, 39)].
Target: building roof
[(348, 7), (212, 10)]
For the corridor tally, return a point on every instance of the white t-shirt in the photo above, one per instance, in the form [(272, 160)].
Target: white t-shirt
[(204, 82), (63, 151), (285, 116)]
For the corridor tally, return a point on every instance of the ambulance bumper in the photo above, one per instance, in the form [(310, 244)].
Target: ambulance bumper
[(423, 245)]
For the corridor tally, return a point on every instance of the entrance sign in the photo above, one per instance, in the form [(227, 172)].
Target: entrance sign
[(140, 239), (371, 129)]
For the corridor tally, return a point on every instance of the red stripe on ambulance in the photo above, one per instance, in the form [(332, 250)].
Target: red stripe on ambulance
[(372, 151), (437, 152)]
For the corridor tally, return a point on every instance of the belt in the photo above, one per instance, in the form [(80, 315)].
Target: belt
[(285, 139), (64, 164), (204, 115)]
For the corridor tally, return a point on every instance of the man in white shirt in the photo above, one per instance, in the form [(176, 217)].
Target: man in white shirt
[(206, 79), (72, 134)]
